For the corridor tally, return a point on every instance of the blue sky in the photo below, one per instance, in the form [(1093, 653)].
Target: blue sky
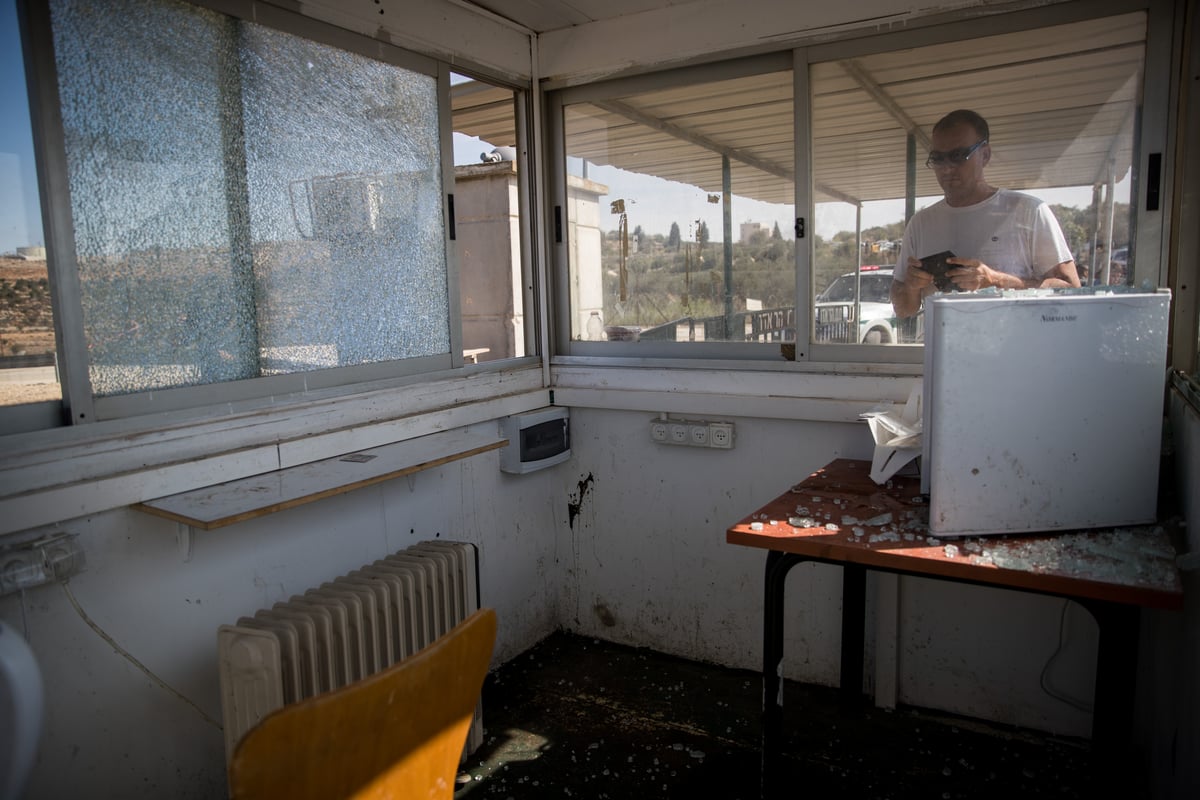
[(20, 218)]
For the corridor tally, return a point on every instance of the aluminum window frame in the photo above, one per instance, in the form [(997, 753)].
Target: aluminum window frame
[(524, 107), (1152, 126), (781, 61), (1151, 231), (78, 404)]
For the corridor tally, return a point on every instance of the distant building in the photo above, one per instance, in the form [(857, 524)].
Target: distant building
[(749, 229)]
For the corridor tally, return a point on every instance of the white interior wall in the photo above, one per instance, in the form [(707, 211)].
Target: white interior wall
[(110, 731), (649, 563), (1169, 695), (649, 566), (641, 561), (980, 652)]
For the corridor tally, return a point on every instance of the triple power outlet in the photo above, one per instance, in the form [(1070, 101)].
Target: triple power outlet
[(692, 433)]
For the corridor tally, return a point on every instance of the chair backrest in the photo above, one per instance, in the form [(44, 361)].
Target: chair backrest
[(398, 733)]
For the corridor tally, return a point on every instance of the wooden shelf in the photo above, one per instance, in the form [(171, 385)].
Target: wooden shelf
[(248, 498)]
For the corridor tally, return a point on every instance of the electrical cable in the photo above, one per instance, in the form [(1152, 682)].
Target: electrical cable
[(24, 616), (1080, 705), (131, 659)]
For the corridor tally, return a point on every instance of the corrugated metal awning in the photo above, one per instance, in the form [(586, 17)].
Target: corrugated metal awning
[(1061, 102)]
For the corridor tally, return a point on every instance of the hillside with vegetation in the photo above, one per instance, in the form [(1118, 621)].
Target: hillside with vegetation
[(670, 279), (666, 278), (26, 318)]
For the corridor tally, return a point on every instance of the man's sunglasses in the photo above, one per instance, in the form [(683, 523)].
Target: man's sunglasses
[(957, 156)]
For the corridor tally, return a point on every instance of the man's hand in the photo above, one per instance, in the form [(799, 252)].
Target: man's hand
[(916, 278), (908, 294), (971, 274), (1065, 274)]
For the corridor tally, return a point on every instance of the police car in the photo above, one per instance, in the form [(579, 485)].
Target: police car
[(836, 312)]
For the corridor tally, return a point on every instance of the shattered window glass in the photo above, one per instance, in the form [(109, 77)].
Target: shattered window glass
[(245, 202)]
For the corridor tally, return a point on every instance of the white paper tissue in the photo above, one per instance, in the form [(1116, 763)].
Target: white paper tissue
[(897, 433)]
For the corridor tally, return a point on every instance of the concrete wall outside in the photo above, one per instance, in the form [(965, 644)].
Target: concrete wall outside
[(585, 239), (488, 230)]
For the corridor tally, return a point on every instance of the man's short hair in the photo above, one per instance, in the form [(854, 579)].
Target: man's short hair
[(963, 116)]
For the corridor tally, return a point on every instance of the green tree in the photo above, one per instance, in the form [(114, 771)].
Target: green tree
[(758, 239), (776, 234), (673, 237)]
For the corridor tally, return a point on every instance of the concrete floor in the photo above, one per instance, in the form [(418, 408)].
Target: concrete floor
[(580, 718)]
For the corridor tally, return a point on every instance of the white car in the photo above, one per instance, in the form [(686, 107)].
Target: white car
[(836, 310)]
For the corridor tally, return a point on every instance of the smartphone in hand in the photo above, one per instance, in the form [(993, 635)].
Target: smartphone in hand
[(936, 266)]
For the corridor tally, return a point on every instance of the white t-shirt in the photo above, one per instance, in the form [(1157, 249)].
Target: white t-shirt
[(1010, 231)]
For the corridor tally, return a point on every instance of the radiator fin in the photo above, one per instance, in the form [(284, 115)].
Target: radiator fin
[(344, 630)]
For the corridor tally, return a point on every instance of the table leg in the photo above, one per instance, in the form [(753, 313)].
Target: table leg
[(854, 611), (1116, 678), (778, 566)]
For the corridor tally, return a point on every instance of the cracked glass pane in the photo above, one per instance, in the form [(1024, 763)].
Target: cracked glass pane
[(345, 205), (245, 202)]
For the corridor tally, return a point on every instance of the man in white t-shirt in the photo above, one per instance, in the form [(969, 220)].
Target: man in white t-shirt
[(999, 237)]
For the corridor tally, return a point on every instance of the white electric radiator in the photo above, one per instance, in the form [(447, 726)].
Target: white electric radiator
[(349, 628)]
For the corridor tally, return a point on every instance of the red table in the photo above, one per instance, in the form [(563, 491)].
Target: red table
[(838, 515)]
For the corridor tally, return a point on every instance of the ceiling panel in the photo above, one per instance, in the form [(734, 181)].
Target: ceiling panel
[(541, 16)]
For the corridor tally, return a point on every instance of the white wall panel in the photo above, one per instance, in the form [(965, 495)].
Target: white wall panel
[(648, 566), (647, 549), (109, 731)]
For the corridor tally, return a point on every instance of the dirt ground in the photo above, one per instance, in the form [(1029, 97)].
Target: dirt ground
[(26, 322), (24, 386), (13, 394), (16, 268)]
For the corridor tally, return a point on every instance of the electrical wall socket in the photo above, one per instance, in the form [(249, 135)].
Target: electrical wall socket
[(45, 560), (720, 434), (692, 433), (679, 433)]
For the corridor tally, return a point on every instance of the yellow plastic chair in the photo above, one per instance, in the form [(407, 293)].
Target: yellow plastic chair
[(396, 734)]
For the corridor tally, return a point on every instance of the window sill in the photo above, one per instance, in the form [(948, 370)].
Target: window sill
[(714, 389), (52, 476)]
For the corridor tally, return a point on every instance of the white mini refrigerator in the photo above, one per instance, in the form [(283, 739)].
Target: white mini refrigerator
[(1043, 412)]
